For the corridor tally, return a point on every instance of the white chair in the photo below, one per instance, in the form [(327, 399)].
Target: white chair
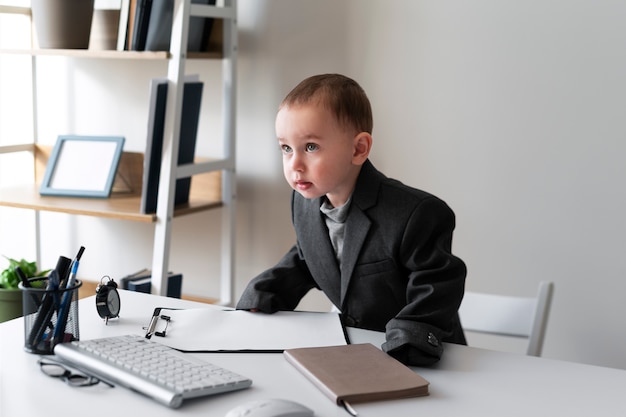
[(509, 316)]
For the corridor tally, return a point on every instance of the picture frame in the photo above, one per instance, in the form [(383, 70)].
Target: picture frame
[(82, 166)]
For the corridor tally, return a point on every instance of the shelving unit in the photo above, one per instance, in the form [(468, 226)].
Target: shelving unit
[(213, 183)]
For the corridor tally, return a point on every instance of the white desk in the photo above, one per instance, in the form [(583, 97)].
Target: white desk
[(467, 382)]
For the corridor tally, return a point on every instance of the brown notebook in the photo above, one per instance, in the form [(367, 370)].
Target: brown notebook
[(357, 373)]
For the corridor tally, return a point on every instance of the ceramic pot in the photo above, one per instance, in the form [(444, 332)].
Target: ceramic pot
[(62, 24), (10, 304)]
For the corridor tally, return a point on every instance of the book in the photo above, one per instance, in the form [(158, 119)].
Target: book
[(159, 32), (141, 21), (190, 116), (130, 30), (122, 28), (134, 276), (143, 284), (357, 373)]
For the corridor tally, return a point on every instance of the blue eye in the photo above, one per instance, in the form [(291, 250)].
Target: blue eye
[(310, 147), (285, 149)]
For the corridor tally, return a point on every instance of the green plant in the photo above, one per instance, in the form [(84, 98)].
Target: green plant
[(9, 277)]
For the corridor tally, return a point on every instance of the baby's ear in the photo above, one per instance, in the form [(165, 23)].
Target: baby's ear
[(362, 148)]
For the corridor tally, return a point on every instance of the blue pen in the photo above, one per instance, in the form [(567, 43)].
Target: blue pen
[(72, 279)]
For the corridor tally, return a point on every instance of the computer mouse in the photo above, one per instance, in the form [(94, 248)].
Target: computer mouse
[(273, 407)]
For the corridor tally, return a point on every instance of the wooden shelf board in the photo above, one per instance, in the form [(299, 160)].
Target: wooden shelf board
[(125, 200), (214, 50), (121, 206), (117, 207), (109, 54)]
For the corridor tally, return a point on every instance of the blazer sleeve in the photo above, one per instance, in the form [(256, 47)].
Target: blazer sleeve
[(435, 287), (279, 288)]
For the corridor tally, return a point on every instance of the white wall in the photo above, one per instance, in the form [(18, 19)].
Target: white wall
[(511, 111)]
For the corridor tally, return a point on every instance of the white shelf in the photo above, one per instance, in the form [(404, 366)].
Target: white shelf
[(213, 182)]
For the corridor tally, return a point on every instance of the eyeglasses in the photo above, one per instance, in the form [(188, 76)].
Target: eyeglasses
[(56, 370)]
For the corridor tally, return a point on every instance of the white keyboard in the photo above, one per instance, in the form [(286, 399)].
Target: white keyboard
[(160, 372)]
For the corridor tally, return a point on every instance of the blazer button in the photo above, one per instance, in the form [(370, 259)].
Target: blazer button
[(432, 339)]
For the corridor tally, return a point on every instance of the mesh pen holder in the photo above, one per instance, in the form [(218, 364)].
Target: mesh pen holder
[(50, 315)]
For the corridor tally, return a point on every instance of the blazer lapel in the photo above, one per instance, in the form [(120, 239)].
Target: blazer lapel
[(358, 223), (318, 250), (356, 230)]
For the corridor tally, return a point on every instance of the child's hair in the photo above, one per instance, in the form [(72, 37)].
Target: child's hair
[(341, 95)]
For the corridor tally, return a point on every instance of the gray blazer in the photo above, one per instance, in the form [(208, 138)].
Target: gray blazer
[(397, 274)]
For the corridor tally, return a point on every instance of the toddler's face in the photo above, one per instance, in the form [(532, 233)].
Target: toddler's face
[(317, 153)]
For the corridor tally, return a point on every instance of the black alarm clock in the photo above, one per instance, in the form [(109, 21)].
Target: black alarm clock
[(107, 299)]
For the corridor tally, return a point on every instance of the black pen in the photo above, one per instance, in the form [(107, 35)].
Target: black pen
[(66, 302), (26, 284), (63, 267), (22, 277), (44, 314)]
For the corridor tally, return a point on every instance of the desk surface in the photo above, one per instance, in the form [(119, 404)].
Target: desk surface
[(467, 381)]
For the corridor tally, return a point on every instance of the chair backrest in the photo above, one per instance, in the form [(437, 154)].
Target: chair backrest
[(509, 316)]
